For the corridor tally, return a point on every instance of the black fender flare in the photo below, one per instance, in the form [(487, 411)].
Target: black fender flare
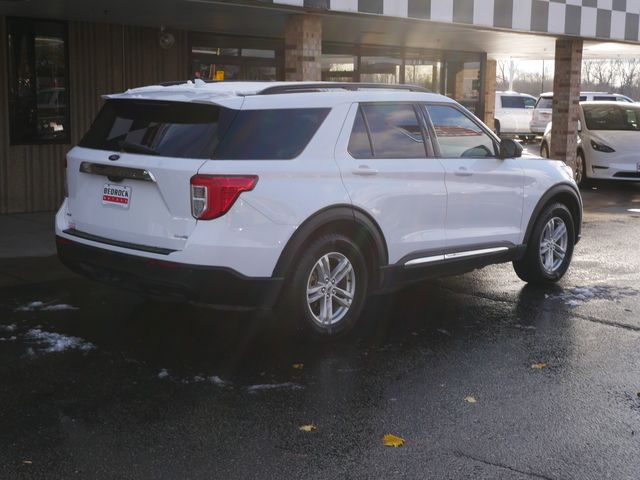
[(559, 189), (324, 217)]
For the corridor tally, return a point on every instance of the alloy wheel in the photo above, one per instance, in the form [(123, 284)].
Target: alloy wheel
[(579, 169), (553, 245), (331, 289)]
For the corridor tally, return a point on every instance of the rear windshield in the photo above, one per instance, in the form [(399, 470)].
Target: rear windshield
[(169, 129), (545, 102), (611, 117), (187, 130)]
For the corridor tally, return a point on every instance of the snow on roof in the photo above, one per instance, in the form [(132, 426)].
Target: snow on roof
[(201, 91)]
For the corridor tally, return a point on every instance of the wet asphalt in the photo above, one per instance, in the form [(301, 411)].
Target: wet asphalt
[(167, 391)]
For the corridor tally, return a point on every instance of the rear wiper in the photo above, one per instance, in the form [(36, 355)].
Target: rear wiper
[(136, 148)]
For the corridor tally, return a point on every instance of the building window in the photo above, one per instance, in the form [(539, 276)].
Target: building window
[(38, 81), (231, 58)]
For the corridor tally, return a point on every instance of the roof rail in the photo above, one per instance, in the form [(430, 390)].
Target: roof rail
[(182, 82), (319, 87)]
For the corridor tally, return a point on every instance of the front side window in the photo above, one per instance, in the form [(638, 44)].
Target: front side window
[(38, 81), (529, 102), (394, 132), (458, 135)]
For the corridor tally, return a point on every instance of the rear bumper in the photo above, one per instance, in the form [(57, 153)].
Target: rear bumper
[(210, 285)]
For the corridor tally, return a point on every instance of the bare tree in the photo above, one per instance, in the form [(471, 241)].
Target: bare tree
[(507, 73)]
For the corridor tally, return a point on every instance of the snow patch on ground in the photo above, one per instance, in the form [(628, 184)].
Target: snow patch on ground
[(9, 328), (45, 307), (9, 339), (274, 386), (213, 379), (56, 342), (576, 296)]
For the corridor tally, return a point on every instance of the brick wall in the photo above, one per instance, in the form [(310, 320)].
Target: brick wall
[(303, 48)]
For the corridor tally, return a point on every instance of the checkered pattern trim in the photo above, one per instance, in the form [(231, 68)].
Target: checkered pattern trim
[(605, 19)]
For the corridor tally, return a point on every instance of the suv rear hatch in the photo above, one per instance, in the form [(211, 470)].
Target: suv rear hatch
[(129, 177)]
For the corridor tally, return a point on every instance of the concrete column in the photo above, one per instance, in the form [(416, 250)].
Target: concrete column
[(490, 93), (566, 98), (303, 48)]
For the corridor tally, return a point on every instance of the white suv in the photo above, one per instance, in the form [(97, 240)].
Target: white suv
[(513, 114), (308, 196), (544, 107)]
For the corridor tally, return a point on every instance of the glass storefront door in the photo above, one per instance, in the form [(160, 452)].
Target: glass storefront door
[(462, 80)]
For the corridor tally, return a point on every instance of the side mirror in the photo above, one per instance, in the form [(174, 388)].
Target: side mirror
[(510, 149)]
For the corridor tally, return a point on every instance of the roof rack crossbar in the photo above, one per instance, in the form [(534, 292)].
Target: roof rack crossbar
[(316, 87)]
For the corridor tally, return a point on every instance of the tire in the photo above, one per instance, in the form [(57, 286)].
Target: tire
[(305, 277), (531, 268), (580, 175), (544, 150)]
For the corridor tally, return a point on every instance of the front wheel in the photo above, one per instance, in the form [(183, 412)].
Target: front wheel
[(325, 292), (550, 247)]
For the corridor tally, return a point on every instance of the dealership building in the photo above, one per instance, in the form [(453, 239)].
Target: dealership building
[(58, 57)]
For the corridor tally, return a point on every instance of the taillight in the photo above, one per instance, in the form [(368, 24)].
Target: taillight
[(213, 195)]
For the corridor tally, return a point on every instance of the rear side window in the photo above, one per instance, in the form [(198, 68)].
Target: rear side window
[(360, 142), (280, 134), (394, 129), (512, 101), (458, 135), (545, 102), (168, 129), (603, 98)]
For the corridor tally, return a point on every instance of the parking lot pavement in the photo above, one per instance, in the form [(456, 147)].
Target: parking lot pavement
[(482, 376)]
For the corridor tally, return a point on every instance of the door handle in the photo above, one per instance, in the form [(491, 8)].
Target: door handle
[(365, 171), (463, 172)]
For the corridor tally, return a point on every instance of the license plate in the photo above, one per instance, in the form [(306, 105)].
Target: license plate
[(116, 195)]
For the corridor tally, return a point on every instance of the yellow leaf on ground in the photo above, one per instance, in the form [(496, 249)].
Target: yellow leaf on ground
[(539, 366), (470, 399), (298, 366), (392, 441), (308, 428)]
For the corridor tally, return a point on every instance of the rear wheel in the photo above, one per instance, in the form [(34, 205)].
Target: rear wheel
[(580, 174), (544, 150), (325, 292), (550, 247)]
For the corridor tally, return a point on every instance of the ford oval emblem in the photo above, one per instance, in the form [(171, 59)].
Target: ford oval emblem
[(114, 157)]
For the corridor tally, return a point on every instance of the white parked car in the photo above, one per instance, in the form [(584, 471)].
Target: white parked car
[(544, 107), (308, 196), (608, 142), (513, 114)]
